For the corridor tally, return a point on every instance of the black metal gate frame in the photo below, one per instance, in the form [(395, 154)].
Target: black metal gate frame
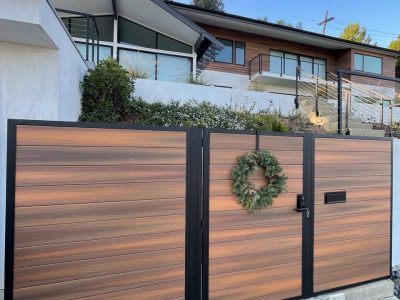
[(197, 202)]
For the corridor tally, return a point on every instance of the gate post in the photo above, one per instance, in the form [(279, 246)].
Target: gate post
[(193, 213), (308, 223)]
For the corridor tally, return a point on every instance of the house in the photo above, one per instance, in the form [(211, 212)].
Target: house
[(232, 51)]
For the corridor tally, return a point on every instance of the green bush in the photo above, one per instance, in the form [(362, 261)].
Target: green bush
[(270, 123), (107, 97), (107, 91)]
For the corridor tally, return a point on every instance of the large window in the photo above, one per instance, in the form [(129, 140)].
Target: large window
[(285, 64), (104, 51), (77, 27), (138, 35), (233, 53), (156, 66), (367, 63)]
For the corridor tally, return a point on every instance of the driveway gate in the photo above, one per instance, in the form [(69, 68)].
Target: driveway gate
[(122, 212)]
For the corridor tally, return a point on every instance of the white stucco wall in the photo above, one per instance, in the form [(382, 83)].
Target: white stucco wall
[(36, 82), (396, 203), (163, 91)]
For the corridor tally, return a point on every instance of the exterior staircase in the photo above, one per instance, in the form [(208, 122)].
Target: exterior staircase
[(318, 99), (328, 118)]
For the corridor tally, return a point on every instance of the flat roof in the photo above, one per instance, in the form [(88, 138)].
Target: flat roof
[(244, 24)]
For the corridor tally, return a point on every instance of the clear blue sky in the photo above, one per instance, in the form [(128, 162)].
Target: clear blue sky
[(380, 17)]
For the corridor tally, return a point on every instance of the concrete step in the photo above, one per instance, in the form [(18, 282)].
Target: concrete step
[(367, 132)]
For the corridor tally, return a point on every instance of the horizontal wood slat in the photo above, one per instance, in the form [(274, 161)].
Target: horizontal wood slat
[(348, 183), (270, 290), (63, 175), (344, 209), (353, 170), (344, 157), (74, 270), (249, 261), (73, 136), (351, 145), (99, 212), (92, 212), (64, 233), (102, 284), (79, 156), (235, 233), (82, 250), (53, 195), (266, 216), (174, 290), (230, 156)]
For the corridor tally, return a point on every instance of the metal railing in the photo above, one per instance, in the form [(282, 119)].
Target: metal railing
[(273, 64), (350, 99), (83, 27)]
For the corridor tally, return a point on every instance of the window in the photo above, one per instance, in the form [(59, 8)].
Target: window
[(291, 62), (233, 53), (285, 64), (306, 64), (276, 62), (226, 54), (77, 27), (104, 51), (367, 63), (135, 34), (319, 68), (173, 68), (240, 53), (156, 66)]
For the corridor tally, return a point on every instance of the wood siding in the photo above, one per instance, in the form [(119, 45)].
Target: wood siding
[(99, 213), (256, 44), (254, 254), (352, 239)]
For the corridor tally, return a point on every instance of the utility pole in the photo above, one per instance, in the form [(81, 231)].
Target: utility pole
[(326, 21)]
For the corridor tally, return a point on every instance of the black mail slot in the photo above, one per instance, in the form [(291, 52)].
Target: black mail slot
[(335, 197)]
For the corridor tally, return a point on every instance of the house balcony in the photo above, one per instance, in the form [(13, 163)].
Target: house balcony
[(280, 69)]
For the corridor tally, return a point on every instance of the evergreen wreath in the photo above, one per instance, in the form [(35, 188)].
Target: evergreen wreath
[(248, 196)]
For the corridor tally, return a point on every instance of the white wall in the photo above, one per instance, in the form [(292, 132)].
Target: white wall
[(396, 203), (36, 83), (163, 91)]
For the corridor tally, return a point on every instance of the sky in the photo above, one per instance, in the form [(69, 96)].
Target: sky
[(380, 18)]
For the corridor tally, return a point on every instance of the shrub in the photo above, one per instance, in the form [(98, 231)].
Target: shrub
[(107, 93), (270, 123)]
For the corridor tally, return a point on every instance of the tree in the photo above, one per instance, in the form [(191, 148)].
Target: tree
[(299, 25), (354, 32), (217, 5), (395, 45), (264, 19)]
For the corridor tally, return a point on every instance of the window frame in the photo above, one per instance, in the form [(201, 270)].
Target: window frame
[(298, 60), (156, 40), (244, 53), (233, 52), (120, 47), (233, 59), (363, 63)]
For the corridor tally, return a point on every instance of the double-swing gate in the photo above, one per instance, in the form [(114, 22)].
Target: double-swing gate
[(99, 211)]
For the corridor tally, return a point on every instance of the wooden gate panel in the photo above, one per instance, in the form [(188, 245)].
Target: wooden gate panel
[(99, 212), (254, 254), (352, 239)]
